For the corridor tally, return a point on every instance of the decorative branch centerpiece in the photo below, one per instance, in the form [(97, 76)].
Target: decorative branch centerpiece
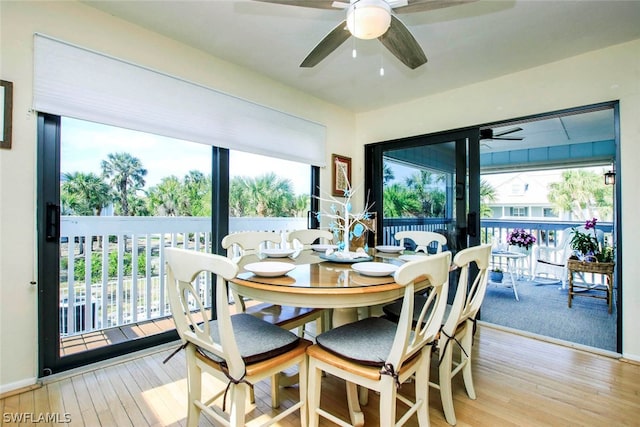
[(345, 224)]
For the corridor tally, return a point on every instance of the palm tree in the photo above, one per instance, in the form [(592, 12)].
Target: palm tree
[(165, 198), (197, 194), (487, 196), (126, 176), (301, 205), (425, 185), (399, 201), (583, 194), (265, 196), (85, 193), (387, 174)]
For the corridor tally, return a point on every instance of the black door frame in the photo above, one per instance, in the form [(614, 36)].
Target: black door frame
[(467, 163), (617, 220)]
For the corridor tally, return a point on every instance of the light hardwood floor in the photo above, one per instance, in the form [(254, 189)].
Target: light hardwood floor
[(519, 382)]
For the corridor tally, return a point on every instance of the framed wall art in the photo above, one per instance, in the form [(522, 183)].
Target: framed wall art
[(6, 113), (341, 177)]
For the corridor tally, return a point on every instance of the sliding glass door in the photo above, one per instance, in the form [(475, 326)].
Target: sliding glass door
[(428, 183), (110, 200)]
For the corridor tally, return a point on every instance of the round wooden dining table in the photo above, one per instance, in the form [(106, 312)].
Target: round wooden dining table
[(317, 283)]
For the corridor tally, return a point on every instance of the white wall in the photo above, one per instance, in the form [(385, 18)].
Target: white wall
[(85, 26), (599, 76)]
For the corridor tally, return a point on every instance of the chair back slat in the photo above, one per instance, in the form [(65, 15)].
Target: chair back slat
[(435, 269), (306, 237), (188, 310), (422, 240), (468, 300), (249, 242)]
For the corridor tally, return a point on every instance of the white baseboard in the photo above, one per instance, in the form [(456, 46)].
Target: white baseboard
[(631, 357), (6, 388)]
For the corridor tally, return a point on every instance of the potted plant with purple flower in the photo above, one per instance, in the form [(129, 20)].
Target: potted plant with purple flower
[(587, 246), (521, 239)]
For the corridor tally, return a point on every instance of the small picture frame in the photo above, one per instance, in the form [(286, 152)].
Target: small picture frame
[(341, 178), (6, 114)]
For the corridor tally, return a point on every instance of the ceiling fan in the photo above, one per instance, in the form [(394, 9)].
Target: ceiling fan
[(500, 136), (369, 19)]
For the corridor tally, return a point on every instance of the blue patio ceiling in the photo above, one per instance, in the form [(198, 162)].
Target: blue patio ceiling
[(597, 152), (573, 139)]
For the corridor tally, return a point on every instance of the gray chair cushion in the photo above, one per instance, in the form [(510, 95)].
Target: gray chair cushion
[(392, 311), (366, 341), (257, 340)]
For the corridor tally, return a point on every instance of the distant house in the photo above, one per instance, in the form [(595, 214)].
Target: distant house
[(523, 195)]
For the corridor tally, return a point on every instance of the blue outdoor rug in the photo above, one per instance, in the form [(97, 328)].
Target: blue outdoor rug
[(543, 310)]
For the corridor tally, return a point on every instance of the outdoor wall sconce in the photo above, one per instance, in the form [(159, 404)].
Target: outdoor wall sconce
[(610, 178)]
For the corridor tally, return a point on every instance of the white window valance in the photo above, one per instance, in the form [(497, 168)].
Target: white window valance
[(76, 82)]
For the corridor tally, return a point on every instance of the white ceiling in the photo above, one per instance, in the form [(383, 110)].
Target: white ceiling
[(464, 44)]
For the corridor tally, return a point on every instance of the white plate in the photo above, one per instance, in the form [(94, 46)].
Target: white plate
[(323, 248), (375, 268), (337, 257), (390, 249), (269, 269), (277, 253), (411, 257)]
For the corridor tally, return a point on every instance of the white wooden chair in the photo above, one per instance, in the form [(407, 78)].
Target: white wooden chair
[(248, 243), (459, 323), (287, 317), (306, 237), (238, 350), (380, 355), (459, 326), (423, 240)]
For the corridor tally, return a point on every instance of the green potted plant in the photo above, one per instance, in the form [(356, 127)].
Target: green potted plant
[(586, 246), (496, 274)]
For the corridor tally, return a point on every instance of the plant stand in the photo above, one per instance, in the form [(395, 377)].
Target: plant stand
[(524, 264), (604, 268)]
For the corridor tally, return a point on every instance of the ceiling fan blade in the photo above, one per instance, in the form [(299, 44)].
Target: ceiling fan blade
[(316, 4), (507, 138), (507, 132), (425, 5), (403, 45), (335, 38)]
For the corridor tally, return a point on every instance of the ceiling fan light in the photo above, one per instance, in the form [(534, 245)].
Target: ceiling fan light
[(368, 19)]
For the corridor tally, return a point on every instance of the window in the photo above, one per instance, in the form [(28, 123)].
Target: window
[(267, 194), (519, 211), (519, 188)]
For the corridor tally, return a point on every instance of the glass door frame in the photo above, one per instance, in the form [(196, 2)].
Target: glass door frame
[(50, 360), (467, 177)]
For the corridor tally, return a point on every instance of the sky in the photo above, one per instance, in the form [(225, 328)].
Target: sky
[(86, 144)]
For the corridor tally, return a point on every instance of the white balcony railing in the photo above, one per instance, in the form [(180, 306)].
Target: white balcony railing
[(124, 281)]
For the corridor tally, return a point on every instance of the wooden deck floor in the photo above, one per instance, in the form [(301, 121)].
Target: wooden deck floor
[(520, 381), (92, 340)]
